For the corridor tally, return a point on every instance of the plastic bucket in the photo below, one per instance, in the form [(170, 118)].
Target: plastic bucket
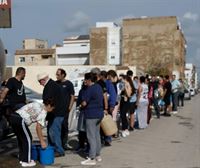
[(35, 152), (47, 155)]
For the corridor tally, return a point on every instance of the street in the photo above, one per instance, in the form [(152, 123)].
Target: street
[(168, 142)]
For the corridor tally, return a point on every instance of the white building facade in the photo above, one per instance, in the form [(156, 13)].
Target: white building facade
[(75, 51), (191, 75), (113, 42)]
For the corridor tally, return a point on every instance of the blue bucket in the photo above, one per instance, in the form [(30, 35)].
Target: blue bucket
[(35, 152), (47, 155)]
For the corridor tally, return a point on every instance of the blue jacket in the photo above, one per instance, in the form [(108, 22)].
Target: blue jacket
[(112, 95), (93, 96)]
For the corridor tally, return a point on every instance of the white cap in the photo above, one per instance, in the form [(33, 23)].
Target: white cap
[(42, 75)]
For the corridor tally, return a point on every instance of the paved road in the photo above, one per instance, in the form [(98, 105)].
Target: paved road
[(169, 142)]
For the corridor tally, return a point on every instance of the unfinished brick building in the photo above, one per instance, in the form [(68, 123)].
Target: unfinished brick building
[(152, 43)]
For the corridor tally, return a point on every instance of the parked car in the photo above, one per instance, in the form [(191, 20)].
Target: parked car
[(33, 96), (192, 91), (187, 95)]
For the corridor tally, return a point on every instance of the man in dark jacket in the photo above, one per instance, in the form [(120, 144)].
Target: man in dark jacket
[(53, 91)]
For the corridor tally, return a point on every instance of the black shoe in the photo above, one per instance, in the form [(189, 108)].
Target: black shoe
[(167, 114), (107, 143), (131, 129), (56, 154), (66, 147)]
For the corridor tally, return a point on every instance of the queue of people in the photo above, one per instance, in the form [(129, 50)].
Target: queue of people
[(131, 97)]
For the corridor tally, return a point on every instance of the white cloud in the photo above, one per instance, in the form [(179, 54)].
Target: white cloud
[(79, 21), (191, 16)]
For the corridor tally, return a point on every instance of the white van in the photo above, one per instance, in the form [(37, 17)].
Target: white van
[(77, 82)]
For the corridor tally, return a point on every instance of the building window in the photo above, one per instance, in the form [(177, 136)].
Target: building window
[(112, 57), (113, 43), (46, 56), (21, 59), (32, 59)]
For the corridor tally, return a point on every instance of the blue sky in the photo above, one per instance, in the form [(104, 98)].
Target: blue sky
[(53, 20)]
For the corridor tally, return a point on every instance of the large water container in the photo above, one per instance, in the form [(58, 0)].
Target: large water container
[(47, 155)]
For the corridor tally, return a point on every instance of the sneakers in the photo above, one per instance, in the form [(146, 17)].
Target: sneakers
[(174, 112), (89, 161), (98, 159), (125, 133), (28, 164)]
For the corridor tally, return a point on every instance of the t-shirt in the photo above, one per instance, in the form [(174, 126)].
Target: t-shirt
[(16, 92), (167, 86), (68, 90), (93, 96), (175, 86), (33, 112)]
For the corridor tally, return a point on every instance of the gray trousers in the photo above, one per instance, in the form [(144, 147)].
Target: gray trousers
[(175, 101), (93, 136)]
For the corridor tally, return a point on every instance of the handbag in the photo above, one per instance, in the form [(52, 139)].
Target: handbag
[(81, 122), (108, 126)]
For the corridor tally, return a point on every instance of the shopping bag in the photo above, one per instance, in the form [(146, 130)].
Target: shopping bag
[(108, 126)]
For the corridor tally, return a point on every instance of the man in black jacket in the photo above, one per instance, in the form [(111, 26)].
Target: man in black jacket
[(53, 91)]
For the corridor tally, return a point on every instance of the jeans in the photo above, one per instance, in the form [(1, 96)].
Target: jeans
[(54, 132), (175, 101), (65, 129), (93, 136), (181, 98), (156, 107)]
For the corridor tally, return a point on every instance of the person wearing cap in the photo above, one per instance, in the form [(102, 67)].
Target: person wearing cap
[(14, 90), (53, 91)]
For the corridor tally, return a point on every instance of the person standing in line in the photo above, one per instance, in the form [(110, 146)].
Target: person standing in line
[(132, 100), (53, 91), (112, 97), (175, 93), (14, 90), (68, 95), (125, 104), (181, 93), (142, 103), (92, 102), (112, 75), (82, 137), (24, 117), (156, 95), (167, 96), (97, 72)]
